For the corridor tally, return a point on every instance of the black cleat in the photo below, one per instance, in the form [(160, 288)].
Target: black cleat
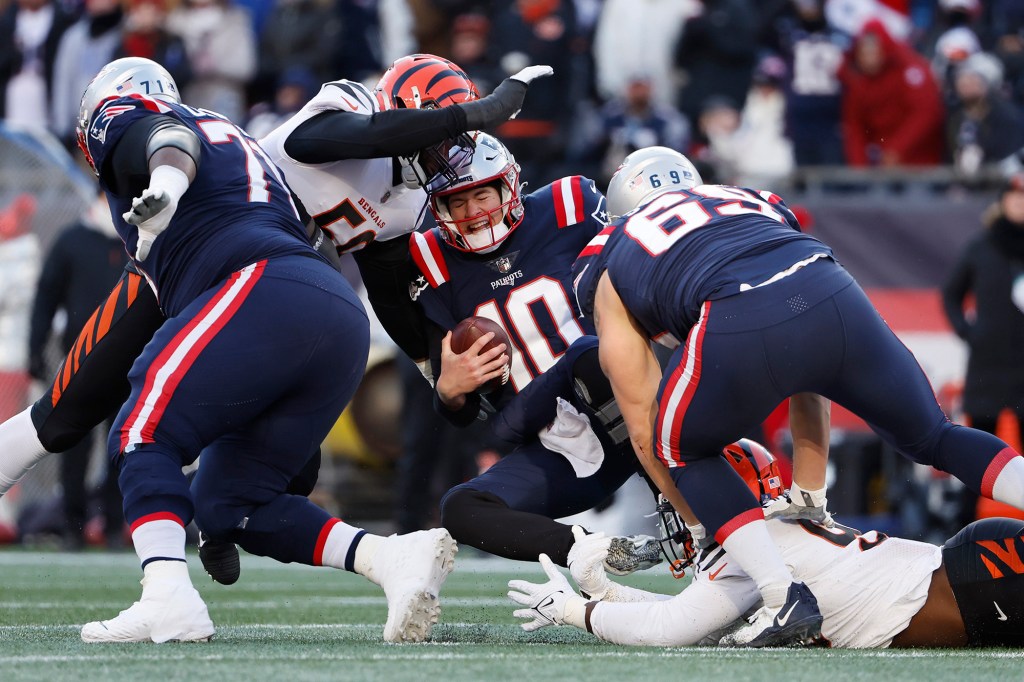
[(796, 623), (220, 559)]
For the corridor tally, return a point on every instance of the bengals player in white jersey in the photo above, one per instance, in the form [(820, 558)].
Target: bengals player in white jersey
[(873, 591)]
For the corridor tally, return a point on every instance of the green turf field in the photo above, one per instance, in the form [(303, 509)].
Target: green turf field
[(296, 623)]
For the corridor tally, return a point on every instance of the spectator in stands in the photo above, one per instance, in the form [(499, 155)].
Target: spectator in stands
[(631, 121), (1006, 18), (983, 126), (145, 36), (537, 32), (305, 34), (84, 263), (84, 49), (991, 268), (470, 36), (221, 46), (295, 87), (718, 149), (766, 157), (813, 51), (19, 265), (892, 107), (952, 48), (357, 52), (30, 31), (717, 52), (639, 36)]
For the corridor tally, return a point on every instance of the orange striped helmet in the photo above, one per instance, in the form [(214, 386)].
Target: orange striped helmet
[(757, 467), (423, 81)]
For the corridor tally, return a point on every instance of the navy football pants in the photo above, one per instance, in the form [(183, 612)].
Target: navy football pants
[(814, 331), (252, 374)]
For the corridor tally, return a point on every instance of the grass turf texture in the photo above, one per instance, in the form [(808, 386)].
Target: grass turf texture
[(299, 623)]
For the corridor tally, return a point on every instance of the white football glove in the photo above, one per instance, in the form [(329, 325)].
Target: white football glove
[(545, 603), (152, 210), (532, 72), (586, 562)]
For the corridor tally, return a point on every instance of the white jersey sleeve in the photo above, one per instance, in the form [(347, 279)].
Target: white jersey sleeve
[(354, 201), (703, 608)]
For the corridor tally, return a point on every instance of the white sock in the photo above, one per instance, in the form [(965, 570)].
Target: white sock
[(159, 539), (366, 551), (751, 547), (165, 573), (1009, 485), (338, 545), (20, 449), (808, 498)]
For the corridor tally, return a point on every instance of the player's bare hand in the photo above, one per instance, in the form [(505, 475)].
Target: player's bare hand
[(463, 373)]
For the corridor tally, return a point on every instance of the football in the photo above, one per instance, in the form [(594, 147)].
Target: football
[(468, 331)]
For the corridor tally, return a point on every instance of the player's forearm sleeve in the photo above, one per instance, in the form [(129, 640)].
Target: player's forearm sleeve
[(337, 135), (498, 107)]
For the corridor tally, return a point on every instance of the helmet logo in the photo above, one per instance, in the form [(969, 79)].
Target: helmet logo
[(636, 181), (98, 131)]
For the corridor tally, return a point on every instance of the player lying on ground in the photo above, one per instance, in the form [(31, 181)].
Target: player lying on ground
[(764, 313), (356, 159), (210, 223), (874, 591), (506, 256)]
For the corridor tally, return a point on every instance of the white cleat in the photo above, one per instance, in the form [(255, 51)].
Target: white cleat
[(165, 613), (411, 568)]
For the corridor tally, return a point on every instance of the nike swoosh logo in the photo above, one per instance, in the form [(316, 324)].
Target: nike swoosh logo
[(781, 620), (547, 602), (712, 576), (1001, 616)]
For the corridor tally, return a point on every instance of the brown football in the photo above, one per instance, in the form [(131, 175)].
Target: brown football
[(468, 331)]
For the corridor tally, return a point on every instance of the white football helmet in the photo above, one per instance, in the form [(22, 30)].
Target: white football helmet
[(120, 78), (645, 174), (491, 164)]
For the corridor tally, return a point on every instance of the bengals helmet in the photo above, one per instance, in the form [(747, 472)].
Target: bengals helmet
[(757, 467), (423, 81), (492, 164), (123, 78)]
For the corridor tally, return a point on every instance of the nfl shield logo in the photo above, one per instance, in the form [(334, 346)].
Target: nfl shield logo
[(503, 264)]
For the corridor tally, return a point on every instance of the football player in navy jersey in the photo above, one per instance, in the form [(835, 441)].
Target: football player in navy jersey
[(875, 591), (506, 256), (216, 233), (759, 312), (355, 158)]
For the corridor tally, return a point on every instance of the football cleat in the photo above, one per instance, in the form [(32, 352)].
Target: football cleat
[(632, 553), (220, 559), (411, 569), (796, 623), (166, 612)]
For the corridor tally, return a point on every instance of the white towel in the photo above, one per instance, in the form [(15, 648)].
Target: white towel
[(571, 436)]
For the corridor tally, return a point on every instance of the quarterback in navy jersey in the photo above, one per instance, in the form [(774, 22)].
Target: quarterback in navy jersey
[(759, 312), (209, 220), (508, 257)]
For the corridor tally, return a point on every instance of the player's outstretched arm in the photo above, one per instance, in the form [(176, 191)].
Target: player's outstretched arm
[(171, 171), (634, 373)]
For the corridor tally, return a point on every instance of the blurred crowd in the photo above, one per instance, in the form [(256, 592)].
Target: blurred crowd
[(751, 89)]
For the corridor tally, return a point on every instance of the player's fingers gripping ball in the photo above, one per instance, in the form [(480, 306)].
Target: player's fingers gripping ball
[(469, 332)]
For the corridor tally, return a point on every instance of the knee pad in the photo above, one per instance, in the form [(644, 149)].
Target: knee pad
[(593, 388)]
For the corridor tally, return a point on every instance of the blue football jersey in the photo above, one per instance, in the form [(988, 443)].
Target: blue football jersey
[(525, 284), (237, 211), (686, 247)]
